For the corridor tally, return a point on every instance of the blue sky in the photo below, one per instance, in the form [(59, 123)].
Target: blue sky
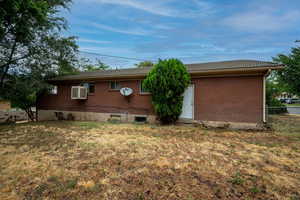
[(191, 30)]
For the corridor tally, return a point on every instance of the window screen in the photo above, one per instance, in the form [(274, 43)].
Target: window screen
[(75, 92), (83, 92), (115, 85), (91, 88)]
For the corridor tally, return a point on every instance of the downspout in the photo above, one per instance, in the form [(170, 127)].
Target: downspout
[(264, 95)]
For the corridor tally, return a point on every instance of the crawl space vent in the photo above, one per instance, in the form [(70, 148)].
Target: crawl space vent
[(140, 119)]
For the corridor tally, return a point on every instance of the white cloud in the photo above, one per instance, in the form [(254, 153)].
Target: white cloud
[(148, 7), (260, 21), (106, 50), (134, 31), (93, 41), (159, 7), (204, 5), (162, 26), (261, 50)]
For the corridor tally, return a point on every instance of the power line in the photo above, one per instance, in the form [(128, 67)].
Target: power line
[(128, 58), (121, 57)]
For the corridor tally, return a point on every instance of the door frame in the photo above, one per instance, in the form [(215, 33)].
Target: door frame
[(193, 99)]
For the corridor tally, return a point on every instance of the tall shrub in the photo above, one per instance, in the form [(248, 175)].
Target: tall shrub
[(167, 82)]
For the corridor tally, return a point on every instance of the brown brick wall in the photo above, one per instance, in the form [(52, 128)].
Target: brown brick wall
[(232, 99), (104, 100)]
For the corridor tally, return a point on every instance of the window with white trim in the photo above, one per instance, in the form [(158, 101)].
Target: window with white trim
[(79, 92), (115, 85)]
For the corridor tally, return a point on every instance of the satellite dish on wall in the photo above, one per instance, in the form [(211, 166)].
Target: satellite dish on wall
[(126, 91)]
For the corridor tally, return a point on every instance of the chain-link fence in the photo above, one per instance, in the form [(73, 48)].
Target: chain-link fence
[(271, 110), (291, 109)]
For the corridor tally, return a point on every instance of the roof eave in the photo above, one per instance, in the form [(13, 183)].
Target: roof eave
[(92, 78), (191, 71), (248, 69)]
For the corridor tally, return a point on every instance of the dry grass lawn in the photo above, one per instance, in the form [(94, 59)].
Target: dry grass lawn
[(89, 160)]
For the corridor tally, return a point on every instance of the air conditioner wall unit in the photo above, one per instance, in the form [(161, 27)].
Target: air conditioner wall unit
[(78, 92)]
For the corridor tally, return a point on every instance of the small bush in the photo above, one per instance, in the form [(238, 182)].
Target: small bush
[(237, 179), (71, 184), (255, 190)]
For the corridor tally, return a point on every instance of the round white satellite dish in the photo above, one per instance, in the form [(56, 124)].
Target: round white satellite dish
[(126, 91)]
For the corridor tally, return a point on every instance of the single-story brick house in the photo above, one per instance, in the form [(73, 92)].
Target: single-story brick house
[(228, 92)]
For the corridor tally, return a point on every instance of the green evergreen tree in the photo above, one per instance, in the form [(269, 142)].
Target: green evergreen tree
[(167, 82)]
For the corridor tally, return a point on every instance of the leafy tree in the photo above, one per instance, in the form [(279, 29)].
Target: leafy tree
[(87, 66), (278, 85), (25, 27), (23, 90), (290, 75), (27, 82), (167, 82), (32, 50), (144, 64), (60, 54)]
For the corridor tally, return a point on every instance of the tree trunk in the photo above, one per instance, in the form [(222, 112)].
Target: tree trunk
[(30, 114)]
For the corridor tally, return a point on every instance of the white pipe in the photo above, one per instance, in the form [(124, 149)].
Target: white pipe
[(264, 95)]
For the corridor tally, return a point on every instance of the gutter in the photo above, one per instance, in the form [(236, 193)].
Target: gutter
[(191, 71)]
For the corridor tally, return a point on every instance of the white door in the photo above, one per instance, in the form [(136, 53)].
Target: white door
[(188, 103)]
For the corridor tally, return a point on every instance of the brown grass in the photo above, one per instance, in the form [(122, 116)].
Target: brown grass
[(89, 160)]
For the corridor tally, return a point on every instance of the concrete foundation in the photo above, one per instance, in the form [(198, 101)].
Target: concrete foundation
[(233, 125), (49, 115)]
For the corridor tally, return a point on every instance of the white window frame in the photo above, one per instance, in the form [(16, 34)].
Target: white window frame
[(80, 89), (115, 84)]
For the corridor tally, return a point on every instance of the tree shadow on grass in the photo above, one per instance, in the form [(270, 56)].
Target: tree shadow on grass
[(33, 137)]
